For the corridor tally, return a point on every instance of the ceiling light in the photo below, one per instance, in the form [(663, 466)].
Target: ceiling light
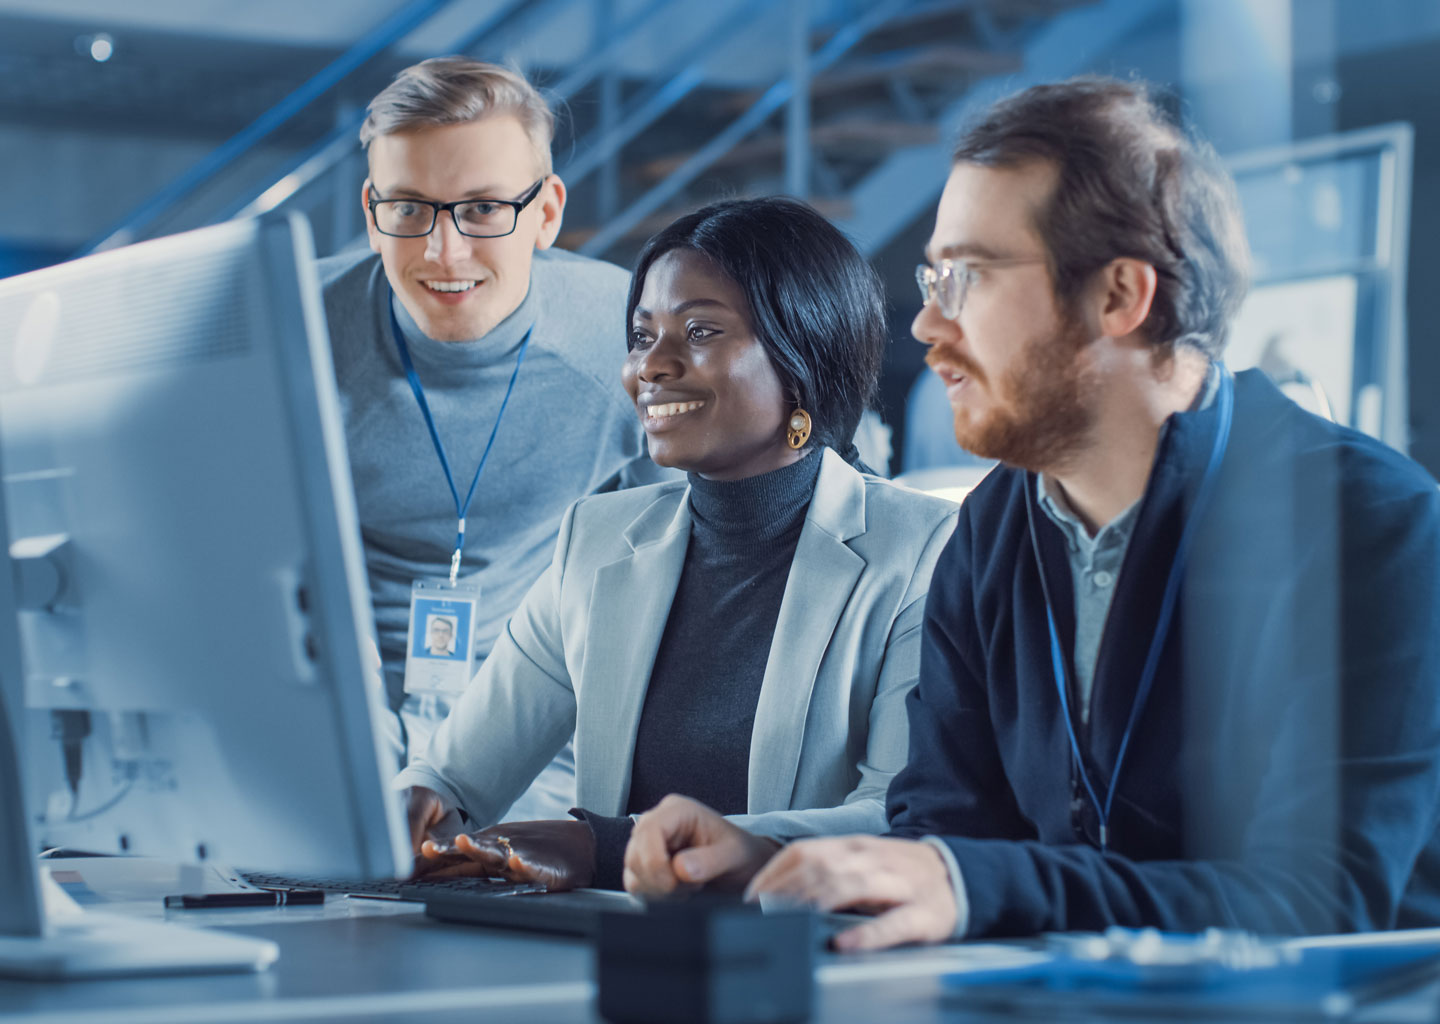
[(99, 47)]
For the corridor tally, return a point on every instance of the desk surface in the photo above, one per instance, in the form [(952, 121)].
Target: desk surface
[(363, 959), (370, 960)]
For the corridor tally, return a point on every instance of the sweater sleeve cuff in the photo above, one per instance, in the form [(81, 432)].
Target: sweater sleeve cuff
[(612, 835), (957, 885)]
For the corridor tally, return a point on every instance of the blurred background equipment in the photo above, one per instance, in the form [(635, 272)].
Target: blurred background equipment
[(118, 124)]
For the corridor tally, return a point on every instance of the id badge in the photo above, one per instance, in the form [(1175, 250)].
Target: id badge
[(440, 645)]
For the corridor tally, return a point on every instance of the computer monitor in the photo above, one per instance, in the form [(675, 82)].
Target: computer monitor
[(194, 620)]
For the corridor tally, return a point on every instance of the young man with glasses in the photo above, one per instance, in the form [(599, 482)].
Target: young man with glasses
[(478, 368), (1180, 664)]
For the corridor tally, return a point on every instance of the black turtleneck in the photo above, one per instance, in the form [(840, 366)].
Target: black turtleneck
[(694, 732)]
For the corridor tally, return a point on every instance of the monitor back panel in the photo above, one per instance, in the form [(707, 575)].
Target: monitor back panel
[(171, 409)]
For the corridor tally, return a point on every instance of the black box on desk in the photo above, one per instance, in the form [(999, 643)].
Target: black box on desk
[(705, 961)]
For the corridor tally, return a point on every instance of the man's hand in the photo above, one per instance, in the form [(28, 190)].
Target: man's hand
[(682, 845), (902, 880), (559, 855)]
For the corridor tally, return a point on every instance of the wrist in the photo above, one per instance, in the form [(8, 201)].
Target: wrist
[(608, 838), (957, 906), (767, 847)]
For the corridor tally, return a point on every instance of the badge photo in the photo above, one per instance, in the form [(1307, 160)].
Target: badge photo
[(440, 644)]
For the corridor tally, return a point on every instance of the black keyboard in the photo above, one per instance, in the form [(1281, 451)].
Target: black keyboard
[(558, 913), (390, 888)]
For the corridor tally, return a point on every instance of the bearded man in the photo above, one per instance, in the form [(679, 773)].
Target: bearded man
[(1180, 663)]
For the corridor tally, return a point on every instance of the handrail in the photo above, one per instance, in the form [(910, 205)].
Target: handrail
[(584, 72), (340, 142), (906, 183), (378, 39), (656, 100), (497, 21), (321, 158), (649, 106), (774, 97), (797, 118)]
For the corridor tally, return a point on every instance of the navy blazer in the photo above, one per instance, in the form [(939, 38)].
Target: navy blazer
[(1284, 774)]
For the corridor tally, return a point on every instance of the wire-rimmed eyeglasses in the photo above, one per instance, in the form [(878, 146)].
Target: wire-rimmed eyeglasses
[(947, 282)]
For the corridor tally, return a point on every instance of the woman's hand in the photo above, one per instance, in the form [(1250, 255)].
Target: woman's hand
[(424, 809), (683, 845), (559, 855)]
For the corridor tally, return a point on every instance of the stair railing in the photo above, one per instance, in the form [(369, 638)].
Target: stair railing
[(377, 40), (342, 141), (773, 98)]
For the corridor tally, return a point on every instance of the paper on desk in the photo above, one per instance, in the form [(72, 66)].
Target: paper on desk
[(88, 881), (934, 962)]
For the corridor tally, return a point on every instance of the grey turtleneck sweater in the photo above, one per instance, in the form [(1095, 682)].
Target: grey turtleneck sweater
[(569, 430)]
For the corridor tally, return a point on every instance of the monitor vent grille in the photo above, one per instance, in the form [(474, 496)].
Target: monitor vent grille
[(140, 316)]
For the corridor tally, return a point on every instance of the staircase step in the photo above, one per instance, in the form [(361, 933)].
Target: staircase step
[(573, 238), (923, 64), (956, 19), (874, 137), (924, 16), (942, 64)]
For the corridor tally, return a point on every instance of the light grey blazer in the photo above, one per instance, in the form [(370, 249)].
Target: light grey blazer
[(830, 726)]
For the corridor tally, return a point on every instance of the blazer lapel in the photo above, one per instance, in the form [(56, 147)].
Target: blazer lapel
[(822, 576), (1175, 476), (629, 606)]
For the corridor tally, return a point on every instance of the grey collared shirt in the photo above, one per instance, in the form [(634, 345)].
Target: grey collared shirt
[(1094, 569), (1095, 561)]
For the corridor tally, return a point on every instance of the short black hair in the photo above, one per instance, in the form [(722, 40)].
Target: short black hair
[(1133, 182), (815, 303)]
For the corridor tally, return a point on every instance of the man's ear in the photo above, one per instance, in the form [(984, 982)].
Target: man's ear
[(552, 211), (369, 219), (1124, 292)]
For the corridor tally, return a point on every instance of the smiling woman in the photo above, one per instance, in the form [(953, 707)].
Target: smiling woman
[(746, 637), (707, 394), (775, 274)]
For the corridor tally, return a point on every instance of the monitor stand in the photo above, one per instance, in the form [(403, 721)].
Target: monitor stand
[(79, 943), (44, 935)]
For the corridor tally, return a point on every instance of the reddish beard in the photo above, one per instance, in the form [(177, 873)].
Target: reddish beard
[(1042, 414)]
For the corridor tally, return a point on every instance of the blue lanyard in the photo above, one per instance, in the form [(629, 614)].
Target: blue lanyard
[(461, 508), (1226, 400)]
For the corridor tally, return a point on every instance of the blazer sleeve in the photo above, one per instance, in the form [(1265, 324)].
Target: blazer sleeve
[(516, 714), (888, 741), (954, 782), (1335, 834)]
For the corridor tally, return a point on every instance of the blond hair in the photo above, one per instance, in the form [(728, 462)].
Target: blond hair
[(456, 90)]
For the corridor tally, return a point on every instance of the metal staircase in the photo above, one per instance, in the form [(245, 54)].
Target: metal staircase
[(848, 104)]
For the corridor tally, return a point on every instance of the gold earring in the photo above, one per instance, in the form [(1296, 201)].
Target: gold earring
[(799, 429)]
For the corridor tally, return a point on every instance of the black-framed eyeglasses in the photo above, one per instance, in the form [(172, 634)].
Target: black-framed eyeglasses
[(948, 281), (475, 218)]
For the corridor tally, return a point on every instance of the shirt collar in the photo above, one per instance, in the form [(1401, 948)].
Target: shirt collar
[(1053, 501)]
